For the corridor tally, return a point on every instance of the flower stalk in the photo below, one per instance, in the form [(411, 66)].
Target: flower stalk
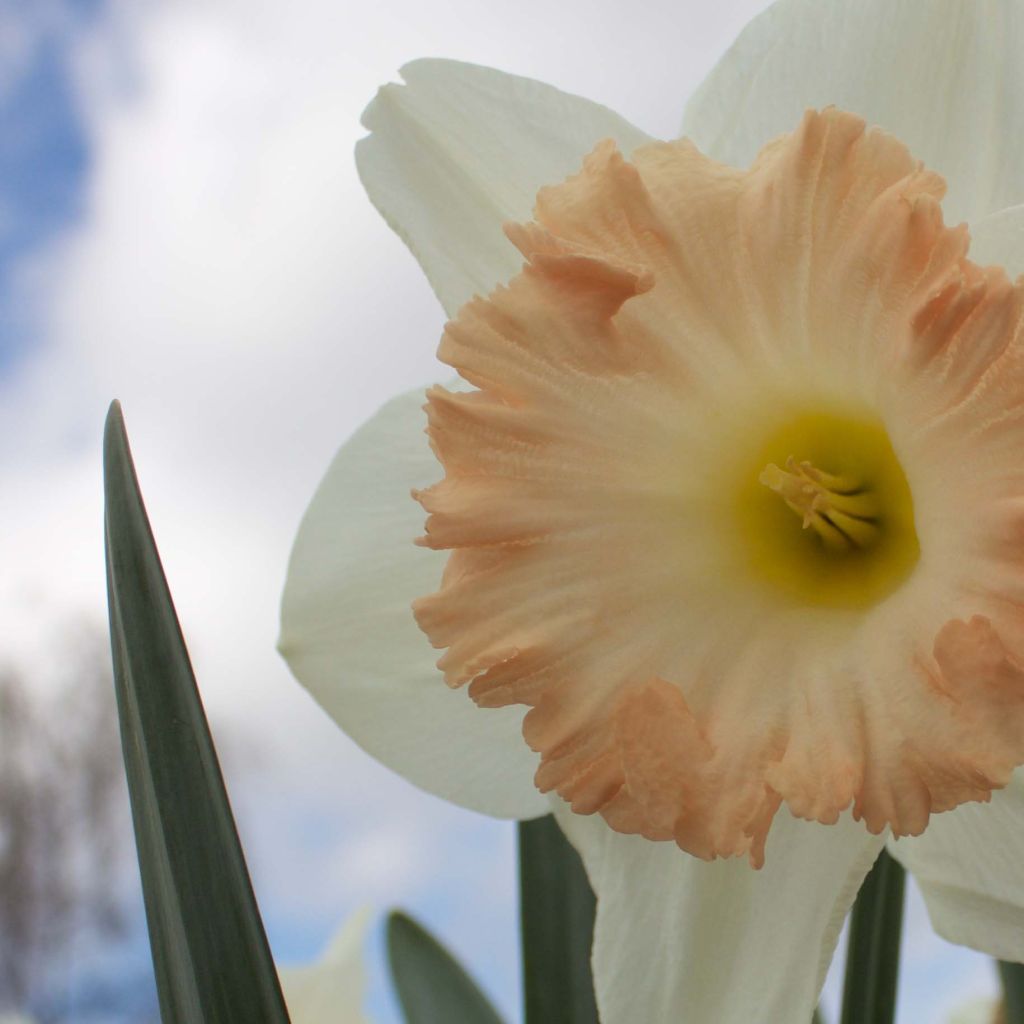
[(872, 959), (557, 909), (1012, 977)]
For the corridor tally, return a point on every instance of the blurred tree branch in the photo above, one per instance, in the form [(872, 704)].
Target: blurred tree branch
[(63, 818)]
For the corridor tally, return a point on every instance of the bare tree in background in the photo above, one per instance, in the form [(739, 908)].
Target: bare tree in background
[(64, 829)]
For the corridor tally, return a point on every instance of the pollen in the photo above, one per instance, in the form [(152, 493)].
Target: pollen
[(841, 510)]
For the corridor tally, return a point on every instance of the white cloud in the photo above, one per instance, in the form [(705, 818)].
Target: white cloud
[(232, 286)]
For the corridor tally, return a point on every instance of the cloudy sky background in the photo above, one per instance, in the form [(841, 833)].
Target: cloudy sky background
[(181, 227)]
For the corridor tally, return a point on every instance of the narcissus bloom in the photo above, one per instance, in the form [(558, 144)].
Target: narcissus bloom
[(733, 503)]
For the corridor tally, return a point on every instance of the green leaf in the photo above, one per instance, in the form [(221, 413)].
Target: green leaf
[(872, 958), (210, 953), (432, 986), (1012, 976), (557, 909)]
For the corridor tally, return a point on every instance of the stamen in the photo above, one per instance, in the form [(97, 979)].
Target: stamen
[(839, 508)]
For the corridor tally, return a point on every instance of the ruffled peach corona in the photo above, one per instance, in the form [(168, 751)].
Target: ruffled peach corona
[(737, 505)]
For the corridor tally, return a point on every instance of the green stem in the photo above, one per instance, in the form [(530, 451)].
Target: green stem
[(1012, 976), (872, 959), (557, 909)]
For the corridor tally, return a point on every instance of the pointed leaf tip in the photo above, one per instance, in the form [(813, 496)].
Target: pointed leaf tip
[(114, 429), (432, 985), (210, 954)]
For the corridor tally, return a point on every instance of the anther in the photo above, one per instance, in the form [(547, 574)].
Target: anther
[(839, 508)]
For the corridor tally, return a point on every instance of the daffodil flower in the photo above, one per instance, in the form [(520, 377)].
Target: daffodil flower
[(734, 503)]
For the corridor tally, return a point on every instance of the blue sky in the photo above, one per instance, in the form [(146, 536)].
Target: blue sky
[(181, 226), (43, 148)]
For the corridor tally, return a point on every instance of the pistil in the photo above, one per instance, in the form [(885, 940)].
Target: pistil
[(840, 509)]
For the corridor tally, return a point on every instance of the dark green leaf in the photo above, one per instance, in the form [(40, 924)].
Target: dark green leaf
[(1012, 976), (210, 954), (432, 986), (557, 907), (872, 959)]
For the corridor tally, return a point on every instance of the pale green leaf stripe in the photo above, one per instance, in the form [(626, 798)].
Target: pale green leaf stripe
[(432, 986), (210, 953), (873, 954), (557, 909)]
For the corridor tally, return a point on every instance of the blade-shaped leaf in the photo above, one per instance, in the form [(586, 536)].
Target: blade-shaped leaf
[(432, 986), (210, 953), (1012, 976), (557, 909), (872, 959)]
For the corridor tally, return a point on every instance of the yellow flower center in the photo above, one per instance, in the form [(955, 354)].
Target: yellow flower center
[(825, 512)]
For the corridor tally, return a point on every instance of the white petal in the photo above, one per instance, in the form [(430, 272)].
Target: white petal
[(969, 864), (977, 1011), (680, 939), (944, 76), (330, 991), (348, 633), (460, 149), (999, 239)]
